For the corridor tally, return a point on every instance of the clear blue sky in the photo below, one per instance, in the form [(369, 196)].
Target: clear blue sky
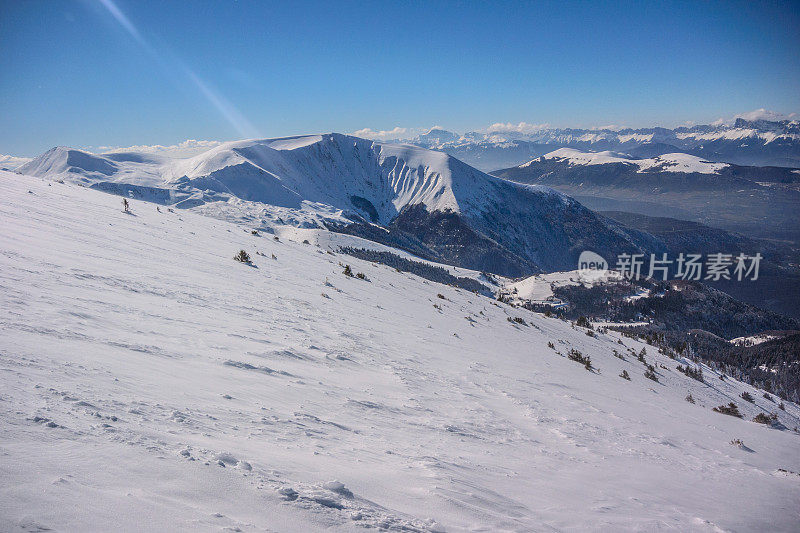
[(73, 73)]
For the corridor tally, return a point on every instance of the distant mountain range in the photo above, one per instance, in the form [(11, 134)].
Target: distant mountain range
[(745, 142), (757, 201)]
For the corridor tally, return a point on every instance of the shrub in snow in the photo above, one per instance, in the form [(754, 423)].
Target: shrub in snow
[(363, 276), (694, 373), (254, 232), (782, 407), (517, 320), (305, 241), (762, 418), (690, 398), (423, 270), (746, 396), (583, 322), (242, 257), (551, 345), (641, 355), (731, 409), (348, 271), (585, 360), (650, 373), (625, 375)]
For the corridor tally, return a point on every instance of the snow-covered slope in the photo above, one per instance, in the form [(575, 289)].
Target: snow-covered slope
[(572, 156), (150, 382), (539, 287), (677, 162)]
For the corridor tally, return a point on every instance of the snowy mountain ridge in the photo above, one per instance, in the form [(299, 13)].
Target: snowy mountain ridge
[(763, 130), (451, 211), (328, 169), (745, 142), (677, 162), (152, 382)]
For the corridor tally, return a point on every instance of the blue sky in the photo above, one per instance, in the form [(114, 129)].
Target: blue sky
[(126, 72)]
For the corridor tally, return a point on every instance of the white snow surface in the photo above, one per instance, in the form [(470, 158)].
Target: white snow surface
[(150, 382), (753, 339), (677, 162), (577, 157)]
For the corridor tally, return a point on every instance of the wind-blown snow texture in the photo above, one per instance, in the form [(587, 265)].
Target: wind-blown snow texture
[(150, 382)]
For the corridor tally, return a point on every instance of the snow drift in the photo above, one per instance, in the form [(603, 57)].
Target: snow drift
[(151, 382)]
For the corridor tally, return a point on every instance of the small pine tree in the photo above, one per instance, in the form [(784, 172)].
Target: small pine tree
[(585, 360), (242, 257), (746, 396), (551, 345), (650, 373), (694, 373), (762, 418), (641, 355), (731, 410), (690, 398), (781, 406), (348, 271), (625, 375)]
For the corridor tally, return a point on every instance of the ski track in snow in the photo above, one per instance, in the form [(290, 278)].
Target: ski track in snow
[(148, 381)]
